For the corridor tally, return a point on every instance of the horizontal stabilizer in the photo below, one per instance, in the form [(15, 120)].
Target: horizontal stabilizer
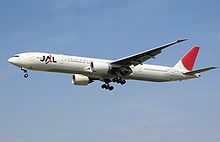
[(199, 71)]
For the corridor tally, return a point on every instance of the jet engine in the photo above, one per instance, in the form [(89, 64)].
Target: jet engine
[(79, 79), (100, 68)]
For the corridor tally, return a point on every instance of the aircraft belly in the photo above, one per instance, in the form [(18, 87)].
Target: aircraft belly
[(154, 76)]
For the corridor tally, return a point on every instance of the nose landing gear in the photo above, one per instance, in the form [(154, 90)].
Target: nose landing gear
[(25, 73)]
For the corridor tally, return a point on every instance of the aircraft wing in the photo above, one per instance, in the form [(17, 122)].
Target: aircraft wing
[(143, 56)]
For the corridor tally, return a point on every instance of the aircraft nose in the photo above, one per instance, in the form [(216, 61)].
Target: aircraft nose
[(13, 61), (10, 60)]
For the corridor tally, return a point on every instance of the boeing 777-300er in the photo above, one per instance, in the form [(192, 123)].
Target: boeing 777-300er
[(86, 70)]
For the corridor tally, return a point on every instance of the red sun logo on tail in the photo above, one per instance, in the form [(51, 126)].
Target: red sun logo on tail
[(190, 58)]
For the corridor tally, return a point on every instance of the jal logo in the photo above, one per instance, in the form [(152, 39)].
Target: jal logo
[(48, 59)]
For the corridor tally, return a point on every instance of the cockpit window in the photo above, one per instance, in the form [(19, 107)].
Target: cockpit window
[(16, 56)]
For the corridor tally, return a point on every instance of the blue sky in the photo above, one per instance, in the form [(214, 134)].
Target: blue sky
[(47, 107)]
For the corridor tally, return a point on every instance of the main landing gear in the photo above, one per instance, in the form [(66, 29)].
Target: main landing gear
[(119, 81), (25, 73), (107, 86)]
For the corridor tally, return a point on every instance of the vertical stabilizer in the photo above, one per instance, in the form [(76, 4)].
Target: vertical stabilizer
[(188, 61)]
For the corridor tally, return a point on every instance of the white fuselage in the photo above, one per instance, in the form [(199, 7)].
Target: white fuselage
[(81, 65)]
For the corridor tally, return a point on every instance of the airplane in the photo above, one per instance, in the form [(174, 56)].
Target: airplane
[(87, 70)]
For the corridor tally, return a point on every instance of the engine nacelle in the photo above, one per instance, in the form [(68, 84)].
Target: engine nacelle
[(79, 79), (100, 67)]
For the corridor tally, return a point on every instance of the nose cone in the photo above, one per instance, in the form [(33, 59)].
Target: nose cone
[(10, 60), (13, 61)]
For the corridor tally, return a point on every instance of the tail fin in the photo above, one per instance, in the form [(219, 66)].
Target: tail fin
[(187, 61)]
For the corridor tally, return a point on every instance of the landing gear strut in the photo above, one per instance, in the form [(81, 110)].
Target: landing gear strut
[(25, 73)]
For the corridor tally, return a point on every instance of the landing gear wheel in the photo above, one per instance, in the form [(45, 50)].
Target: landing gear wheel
[(104, 86), (107, 86), (119, 81), (25, 75), (111, 88), (123, 82)]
